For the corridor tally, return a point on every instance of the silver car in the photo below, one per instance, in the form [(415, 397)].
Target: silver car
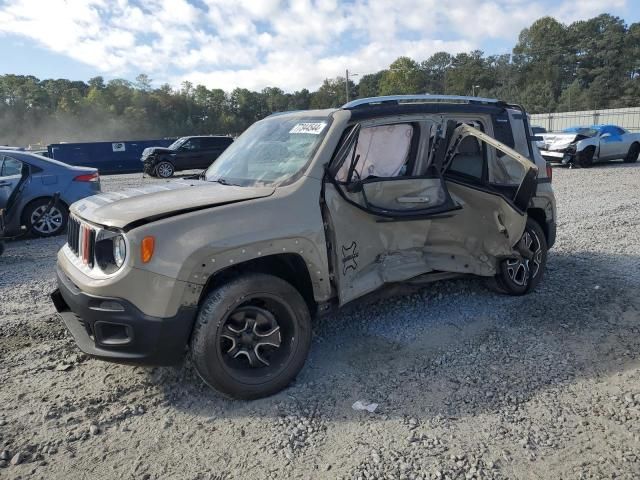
[(582, 146), (27, 184)]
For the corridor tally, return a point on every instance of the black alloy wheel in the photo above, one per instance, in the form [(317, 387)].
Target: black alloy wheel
[(585, 158), (522, 274), (632, 155), (252, 336)]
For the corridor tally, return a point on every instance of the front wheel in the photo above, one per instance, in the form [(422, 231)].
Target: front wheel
[(164, 169), (632, 155), (517, 276), (252, 336), (585, 158), (43, 221)]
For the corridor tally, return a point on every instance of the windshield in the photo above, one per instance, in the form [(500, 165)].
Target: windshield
[(271, 151), (586, 131), (175, 145)]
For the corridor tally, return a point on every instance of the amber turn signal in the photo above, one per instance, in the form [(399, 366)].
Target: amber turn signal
[(146, 248)]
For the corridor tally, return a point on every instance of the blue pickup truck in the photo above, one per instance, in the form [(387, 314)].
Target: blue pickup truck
[(107, 157)]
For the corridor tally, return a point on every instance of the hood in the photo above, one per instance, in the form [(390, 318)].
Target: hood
[(149, 150), (557, 141), (136, 206)]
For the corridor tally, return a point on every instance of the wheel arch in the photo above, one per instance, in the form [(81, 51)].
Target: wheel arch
[(539, 215), (586, 144), (290, 267)]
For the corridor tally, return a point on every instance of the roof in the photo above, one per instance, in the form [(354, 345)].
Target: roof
[(413, 99), (593, 127)]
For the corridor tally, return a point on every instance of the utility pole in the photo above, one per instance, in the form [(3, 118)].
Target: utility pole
[(346, 86)]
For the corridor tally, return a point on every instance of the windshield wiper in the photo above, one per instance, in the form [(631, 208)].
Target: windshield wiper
[(224, 181)]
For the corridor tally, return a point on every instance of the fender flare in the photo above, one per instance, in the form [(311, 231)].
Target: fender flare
[(210, 261)]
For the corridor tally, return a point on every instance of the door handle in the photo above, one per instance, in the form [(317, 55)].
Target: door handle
[(5, 184), (499, 224), (413, 199)]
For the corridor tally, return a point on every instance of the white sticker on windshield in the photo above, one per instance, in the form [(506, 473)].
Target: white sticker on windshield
[(314, 128)]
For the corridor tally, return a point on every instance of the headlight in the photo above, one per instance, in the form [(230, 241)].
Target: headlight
[(111, 251), (119, 250)]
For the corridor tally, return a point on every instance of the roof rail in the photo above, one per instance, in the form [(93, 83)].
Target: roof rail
[(426, 98)]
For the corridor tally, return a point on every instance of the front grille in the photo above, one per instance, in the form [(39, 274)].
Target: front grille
[(81, 238)]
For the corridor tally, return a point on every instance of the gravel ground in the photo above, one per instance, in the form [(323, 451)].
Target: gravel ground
[(470, 384)]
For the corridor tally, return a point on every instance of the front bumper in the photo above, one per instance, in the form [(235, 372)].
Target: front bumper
[(557, 157), (149, 164), (114, 329)]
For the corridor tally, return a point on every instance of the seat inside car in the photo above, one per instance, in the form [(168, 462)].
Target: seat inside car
[(468, 158)]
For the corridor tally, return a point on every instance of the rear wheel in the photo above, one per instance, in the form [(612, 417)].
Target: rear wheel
[(252, 336), (164, 169), (517, 276), (44, 222), (632, 155)]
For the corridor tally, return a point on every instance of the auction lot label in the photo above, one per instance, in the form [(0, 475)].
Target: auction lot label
[(313, 128)]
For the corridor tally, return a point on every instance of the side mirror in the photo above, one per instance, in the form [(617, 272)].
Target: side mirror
[(605, 135)]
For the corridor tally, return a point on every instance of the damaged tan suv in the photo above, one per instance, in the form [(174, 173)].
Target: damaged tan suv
[(306, 211)]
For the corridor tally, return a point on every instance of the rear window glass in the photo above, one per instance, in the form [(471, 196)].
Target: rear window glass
[(502, 129), (10, 166), (211, 142)]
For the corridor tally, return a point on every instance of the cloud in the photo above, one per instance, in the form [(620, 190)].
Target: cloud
[(292, 44)]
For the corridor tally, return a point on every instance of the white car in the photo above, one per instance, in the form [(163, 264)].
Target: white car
[(582, 146)]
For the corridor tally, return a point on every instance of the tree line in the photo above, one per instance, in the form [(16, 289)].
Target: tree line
[(586, 65)]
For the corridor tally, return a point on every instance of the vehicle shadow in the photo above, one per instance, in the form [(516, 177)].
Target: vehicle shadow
[(454, 349)]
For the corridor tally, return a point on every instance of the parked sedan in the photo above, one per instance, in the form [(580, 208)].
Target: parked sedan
[(582, 146), (29, 181)]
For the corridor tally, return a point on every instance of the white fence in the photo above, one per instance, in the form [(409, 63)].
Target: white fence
[(628, 118)]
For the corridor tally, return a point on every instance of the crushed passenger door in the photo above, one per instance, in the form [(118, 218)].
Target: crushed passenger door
[(385, 230)]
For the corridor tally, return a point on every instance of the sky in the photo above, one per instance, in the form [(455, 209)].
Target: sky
[(291, 44)]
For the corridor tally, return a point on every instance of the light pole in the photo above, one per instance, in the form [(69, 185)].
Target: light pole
[(346, 86)]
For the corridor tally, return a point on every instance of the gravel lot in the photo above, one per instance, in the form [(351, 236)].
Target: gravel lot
[(470, 384)]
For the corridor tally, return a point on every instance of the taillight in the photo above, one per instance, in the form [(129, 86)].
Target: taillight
[(88, 177), (549, 172)]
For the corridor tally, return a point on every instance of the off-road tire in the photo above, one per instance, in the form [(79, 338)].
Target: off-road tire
[(632, 155), (503, 281), (59, 218), (584, 159), (211, 360), (164, 169)]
